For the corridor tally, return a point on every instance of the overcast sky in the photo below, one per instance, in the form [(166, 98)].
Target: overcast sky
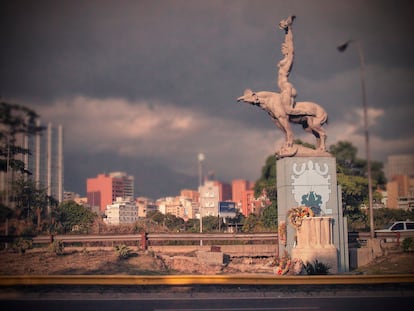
[(144, 86)]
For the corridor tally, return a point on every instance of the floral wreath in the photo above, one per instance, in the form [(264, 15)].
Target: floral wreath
[(296, 215), (285, 265)]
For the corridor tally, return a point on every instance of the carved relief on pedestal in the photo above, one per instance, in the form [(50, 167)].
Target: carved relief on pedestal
[(315, 232), (315, 242), (311, 186)]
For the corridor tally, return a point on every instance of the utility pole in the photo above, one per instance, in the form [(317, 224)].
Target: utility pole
[(342, 48), (200, 180)]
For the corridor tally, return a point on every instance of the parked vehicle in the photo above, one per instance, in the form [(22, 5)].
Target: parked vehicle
[(399, 226)]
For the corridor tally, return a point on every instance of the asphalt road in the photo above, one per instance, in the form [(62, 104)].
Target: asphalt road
[(215, 304), (352, 297)]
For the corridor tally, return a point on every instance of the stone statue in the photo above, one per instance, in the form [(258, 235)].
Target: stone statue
[(287, 91), (283, 108), (311, 121)]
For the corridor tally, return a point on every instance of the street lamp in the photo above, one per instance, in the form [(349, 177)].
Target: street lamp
[(342, 48), (200, 180)]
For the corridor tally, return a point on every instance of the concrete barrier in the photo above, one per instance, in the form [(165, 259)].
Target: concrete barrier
[(253, 250)]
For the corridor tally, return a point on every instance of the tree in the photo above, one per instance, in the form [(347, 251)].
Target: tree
[(70, 216), (156, 216), (345, 154), (14, 120), (31, 201), (352, 177), (269, 217), (210, 223), (348, 163), (267, 180), (173, 223), (252, 223), (5, 212), (192, 225)]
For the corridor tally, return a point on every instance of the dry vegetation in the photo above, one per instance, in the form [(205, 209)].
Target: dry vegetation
[(104, 261), (79, 261)]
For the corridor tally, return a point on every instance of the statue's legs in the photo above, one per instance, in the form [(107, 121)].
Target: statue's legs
[(314, 127), (284, 125)]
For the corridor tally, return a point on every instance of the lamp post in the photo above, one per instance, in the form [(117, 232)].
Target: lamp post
[(200, 180), (342, 48)]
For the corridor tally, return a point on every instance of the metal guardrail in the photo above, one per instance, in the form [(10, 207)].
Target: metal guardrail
[(177, 280), (42, 239), (159, 237), (212, 236)]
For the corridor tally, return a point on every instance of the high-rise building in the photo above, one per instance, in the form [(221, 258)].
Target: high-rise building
[(402, 164), (105, 188), (239, 189), (399, 170), (45, 161), (400, 192), (209, 199), (225, 191), (248, 206)]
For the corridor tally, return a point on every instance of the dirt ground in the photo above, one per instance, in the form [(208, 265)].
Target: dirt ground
[(74, 261), (105, 262), (394, 263)]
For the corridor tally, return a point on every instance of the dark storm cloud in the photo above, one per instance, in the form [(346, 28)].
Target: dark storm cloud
[(67, 58)]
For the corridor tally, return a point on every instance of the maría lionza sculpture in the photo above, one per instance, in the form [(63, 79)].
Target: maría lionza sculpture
[(283, 108)]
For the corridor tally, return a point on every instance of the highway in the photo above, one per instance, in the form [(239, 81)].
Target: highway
[(195, 294), (213, 303)]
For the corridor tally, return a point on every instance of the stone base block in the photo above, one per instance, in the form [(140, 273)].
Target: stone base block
[(325, 255), (210, 258)]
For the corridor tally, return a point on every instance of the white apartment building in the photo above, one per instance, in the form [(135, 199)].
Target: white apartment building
[(122, 211), (209, 199)]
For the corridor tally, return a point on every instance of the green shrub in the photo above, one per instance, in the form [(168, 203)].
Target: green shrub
[(21, 245), (122, 251), (408, 244), (56, 247), (317, 268)]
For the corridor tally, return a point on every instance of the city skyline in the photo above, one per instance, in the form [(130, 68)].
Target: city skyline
[(146, 86)]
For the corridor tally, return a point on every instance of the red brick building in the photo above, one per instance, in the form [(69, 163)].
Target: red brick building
[(105, 188), (242, 195)]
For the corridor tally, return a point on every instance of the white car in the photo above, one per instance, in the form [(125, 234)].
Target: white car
[(399, 226)]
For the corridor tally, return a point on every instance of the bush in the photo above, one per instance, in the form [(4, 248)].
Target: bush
[(317, 268), (122, 251), (21, 245), (408, 244), (56, 247)]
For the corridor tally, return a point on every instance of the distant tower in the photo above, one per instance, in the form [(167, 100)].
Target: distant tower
[(200, 169), (46, 159)]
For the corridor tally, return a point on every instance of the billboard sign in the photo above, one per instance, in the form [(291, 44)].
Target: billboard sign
[(227, 209)]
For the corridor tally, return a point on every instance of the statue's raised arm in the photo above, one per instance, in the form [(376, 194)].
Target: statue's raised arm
[(287, 90)]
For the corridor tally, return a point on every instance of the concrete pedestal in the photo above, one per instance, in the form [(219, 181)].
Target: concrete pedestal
[(314, 242), (312, 182)]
